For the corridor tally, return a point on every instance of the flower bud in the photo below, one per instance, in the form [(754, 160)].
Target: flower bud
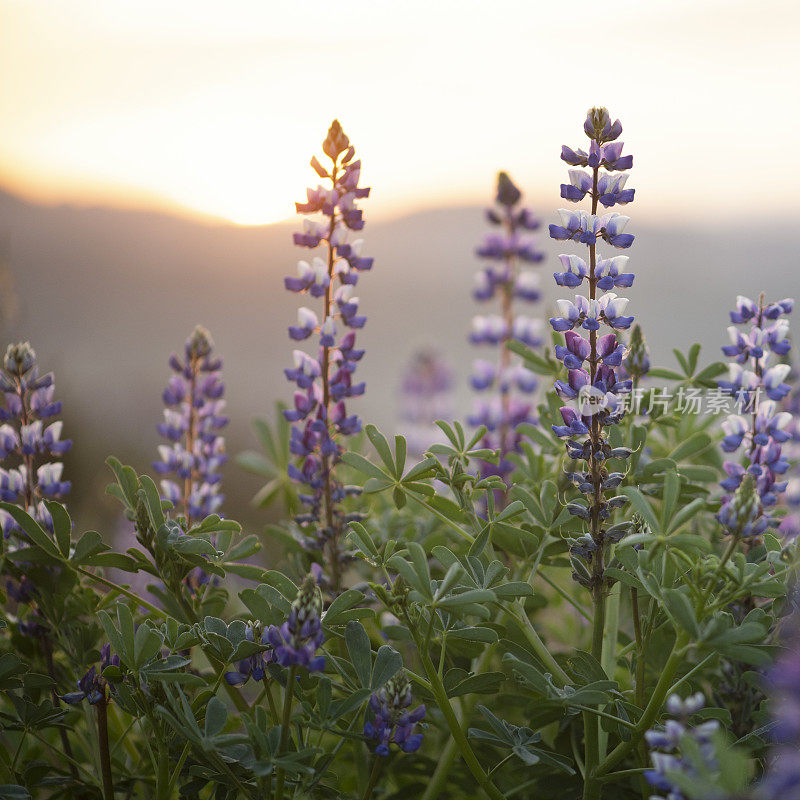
[(19, 358)]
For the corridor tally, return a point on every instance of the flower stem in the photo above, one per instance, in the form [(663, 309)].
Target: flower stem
[(288, 699), (373, 778), (105, 754), (453, 723), (650, 713)]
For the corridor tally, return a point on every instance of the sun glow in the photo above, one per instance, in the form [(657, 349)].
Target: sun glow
[(215, 109)]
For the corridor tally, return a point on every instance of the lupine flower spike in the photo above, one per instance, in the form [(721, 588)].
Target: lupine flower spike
[(295, 643), (30, 438), (595, 386), (193, 418), (665, 745), (757, 381), (505, 382), (393, 722), (325, 380)]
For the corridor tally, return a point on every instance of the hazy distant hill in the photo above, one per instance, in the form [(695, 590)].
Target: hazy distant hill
[(106, 295)]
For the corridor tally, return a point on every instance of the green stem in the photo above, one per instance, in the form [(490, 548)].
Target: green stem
[(163, 780), (539, 647), (287, 718), (176, 773), (647, 719), (123, 591), (442, 700), (718, 571), (608, 658), (105, 754), (598, 713), (373, 778), (591, 724)]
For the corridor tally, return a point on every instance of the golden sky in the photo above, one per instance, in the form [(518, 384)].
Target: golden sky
[(215, 108)]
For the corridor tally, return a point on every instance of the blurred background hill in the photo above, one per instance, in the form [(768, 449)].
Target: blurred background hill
[(105, 295)]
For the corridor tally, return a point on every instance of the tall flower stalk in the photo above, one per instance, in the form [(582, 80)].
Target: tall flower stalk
[(193, 418), (592, 384), (593, 388), (758, 384), (30, 439), (505, 382), (30, 443), (325, 380)]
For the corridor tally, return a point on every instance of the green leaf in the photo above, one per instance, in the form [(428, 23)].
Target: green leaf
[(388, 663), (474, 634), (471, 596), (358, 462), (672, 487), (89, 544), (641, 505), (382, 447), (216, 716), (127, 632), (399, 455), (152, 501), (336, 613), (695, 444), (689, 511), (680, 608), (62, 526), (363, 539), (419, 562), (360, 650), (484, 683), (35, 532), (668, 374), (12, 791), (477, 547), (147, 643)]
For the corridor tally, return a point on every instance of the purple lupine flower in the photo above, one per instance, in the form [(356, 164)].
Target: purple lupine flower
[(253, 666), (296, 641), (596, 382), (30, 437), (506, 379), (781, 780), (193, 418), (665, 745), (758, 384), (790, 524), (392, 722), (92, 686), (741, 514), (325, 379), (426, 395)]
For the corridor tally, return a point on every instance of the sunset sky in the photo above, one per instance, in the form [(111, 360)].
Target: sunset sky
[(215, 108)]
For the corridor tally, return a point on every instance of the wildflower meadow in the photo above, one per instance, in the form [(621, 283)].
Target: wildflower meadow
[(586, 588)]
